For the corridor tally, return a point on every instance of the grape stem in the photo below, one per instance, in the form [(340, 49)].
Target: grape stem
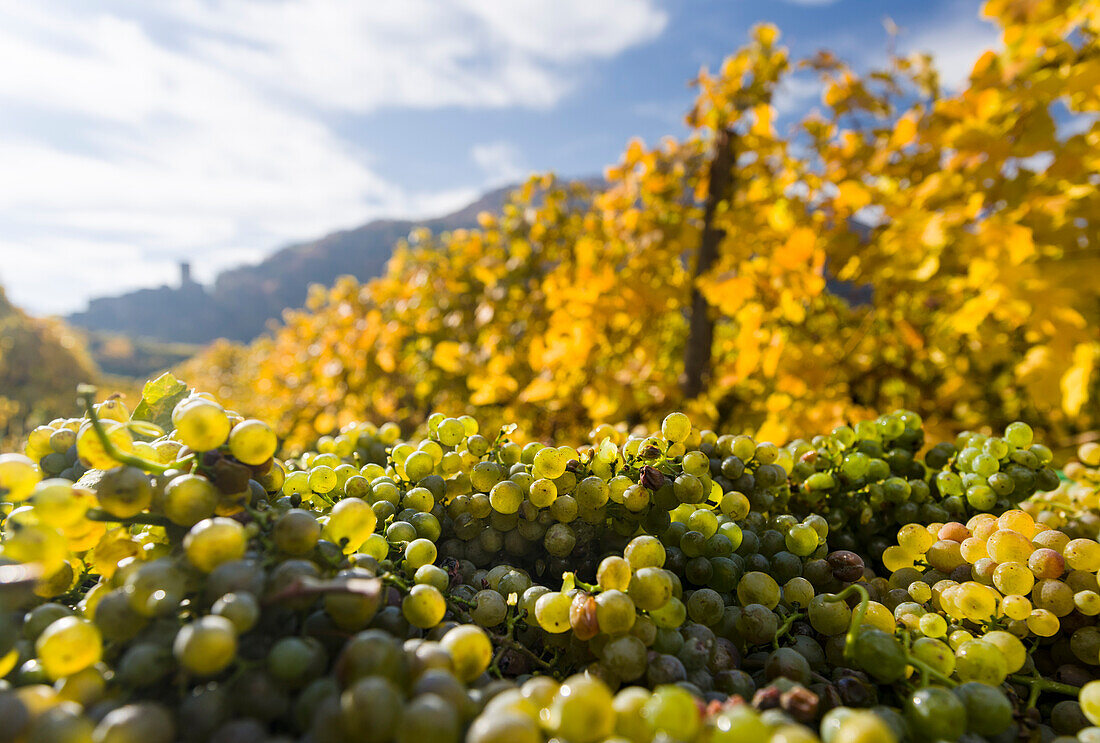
[(1039, 685), (857, 622), (507, 642), (927, 670), (465, 603), (260, 517), (395, 580), (87, 393), (586, 587), (98, 514), (857, 615), (494, 664), (785, 628), (503, 641)]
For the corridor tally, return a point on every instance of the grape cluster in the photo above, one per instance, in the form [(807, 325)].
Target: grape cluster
[(869, 479), (1007, 569), (1074, 507), (184, 584)]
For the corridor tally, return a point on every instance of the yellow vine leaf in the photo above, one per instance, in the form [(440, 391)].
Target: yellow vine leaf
[(780, 217), (448, 356), (905, 131), (762, 124), (1075, 382), (766, 33), (1020, 244), (852, 195), (928, 268), (538, 390), (798, 249), (933, 235), (571, 306), (729, 293)]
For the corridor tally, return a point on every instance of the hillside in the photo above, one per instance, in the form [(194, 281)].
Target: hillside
[(41, 363), (243, 300)]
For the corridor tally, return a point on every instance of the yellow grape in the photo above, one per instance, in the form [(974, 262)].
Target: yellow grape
[(933, 625), (35, 543), (1013, 578), (215, 541), (1043, 623), (879, 617), (252, 442), (67, 646), (915, 539), (958, 637), (90, 449), (1087, 602), (1089, 699), (1082, 554), (895, 558), (920, 591), (18, 476), (975, 602), (201, 424), (1016, 607), (973, 549), (1007, 545), (57, 503), (1018, 521), (1011, 648), (552, 612), (350, 523)]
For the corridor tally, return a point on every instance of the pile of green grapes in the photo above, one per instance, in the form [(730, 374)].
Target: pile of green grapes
[(164, 577)]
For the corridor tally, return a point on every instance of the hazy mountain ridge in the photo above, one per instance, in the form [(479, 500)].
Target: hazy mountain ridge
[(242, 300)]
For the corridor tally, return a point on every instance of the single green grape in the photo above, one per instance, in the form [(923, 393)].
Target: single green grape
[(552, 612), (615, 612), (207, 646), (296, 532), (420, 552), (672, 711), (68, 646), (201, 424), (349, 524), (424, 606), (470, 651), (252, 442), (644, 552), (582, 711), (188, 499), (212, 542), (934, 713)]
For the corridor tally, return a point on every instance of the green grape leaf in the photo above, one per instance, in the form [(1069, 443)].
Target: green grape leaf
[(158, 398)]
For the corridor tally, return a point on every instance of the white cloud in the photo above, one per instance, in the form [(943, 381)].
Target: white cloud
[(132, 135), (797, 93), (501, 162), (44, 279), (955, 40), (359, 56)]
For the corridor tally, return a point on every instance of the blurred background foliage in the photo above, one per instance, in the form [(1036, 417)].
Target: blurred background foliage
[(910, 247)]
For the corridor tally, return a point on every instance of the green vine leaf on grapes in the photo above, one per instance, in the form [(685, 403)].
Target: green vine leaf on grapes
[(158, 398)]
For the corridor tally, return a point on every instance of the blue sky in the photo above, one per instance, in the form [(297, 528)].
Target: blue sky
[(134, 134)]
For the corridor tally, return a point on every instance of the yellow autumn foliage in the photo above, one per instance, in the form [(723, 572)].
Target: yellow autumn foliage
[(971, 292)]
